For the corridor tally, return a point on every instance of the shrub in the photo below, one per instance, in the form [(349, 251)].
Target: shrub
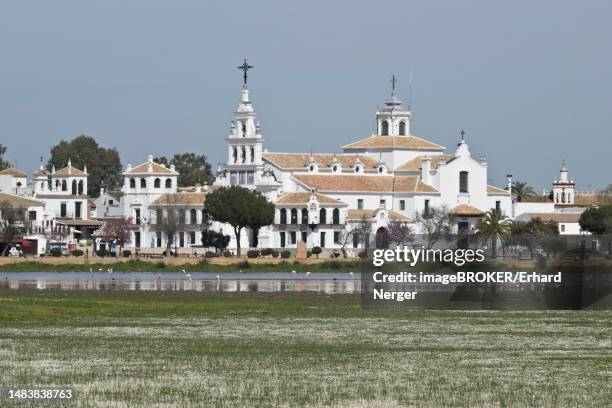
[(308, 254), (127, 253), (252, 253), (285, 254), (55, 252), (333, 265), (77, 252), (211, 254), (266, 252), (101, 252), (161, 264), (274, 254), (362, 254), (316, 251), (227, 254)]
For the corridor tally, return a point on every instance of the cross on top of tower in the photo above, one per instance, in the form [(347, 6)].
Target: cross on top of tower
[(393, 80), (245, 68), (462, 133)]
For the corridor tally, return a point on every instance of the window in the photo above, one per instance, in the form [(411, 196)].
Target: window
[(77, 209), (563, 197), (137, 215), (32, 215), (562, 227), (304, 236), (110, 202), (193, 216), (62, 209), (158, 239), (383, 203), (304, 216), (233, 178), (74, 187), (250, 177), (81, 187), (355, 240), (402, 128), (244, 130), (311, 168), (335, 168), (234, 154), (168, 183), (181, 216), (336, 216), (498, 205), (360, 203), (402, 205), (381, 169), (181, 239), (64, 186), (426, 208), (357, 169), (336, 237), (242, 178), (385, 128), (157, 183), (292, 237), (159, 216), (322, 216), (463, 181), (143, 183), (294, 216), (192, 237), (283, 216), (137, 239), (322, 243), (282, 239)]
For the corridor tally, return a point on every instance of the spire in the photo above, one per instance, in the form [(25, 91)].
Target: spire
[(85, 169), (69, 166), (41, 167)]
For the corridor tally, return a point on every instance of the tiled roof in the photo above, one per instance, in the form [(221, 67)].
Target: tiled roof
[(180, 199), (415, 164), (69, 171), (466, 210), (77, 222), (302, 160), (303, 198), (396, 142), (496, 190), (363, 183), (155, 167), (536, 199), (41, 172), (19, 201), (570, 217), (11, 171), (356, 215)]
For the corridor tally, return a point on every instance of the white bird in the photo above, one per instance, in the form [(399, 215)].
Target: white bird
[(293, 272), (110, 270), (182, 270), (351, 273), (99, 269), (218, 277), (90, 270), (307, 273)]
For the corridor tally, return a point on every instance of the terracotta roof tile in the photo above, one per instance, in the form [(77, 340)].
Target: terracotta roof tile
[(180, 199), (302, 160), (357, 215), (415, 164), (20, 201), (363, 183), (396, 142), (466, 210), (557, 216), (69, 171), (303, 198), (12, 171), (76, 222), (144, 169)]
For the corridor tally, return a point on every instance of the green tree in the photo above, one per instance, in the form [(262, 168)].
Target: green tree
[(597, 220), (13, 224), (533, 233), (240, 207), (493, 228), (522, 190), (3, 163), (192, 168), (103, 164)]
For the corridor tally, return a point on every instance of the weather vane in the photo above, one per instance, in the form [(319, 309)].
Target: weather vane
[(245, 68)]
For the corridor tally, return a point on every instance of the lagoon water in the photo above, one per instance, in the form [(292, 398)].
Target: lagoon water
[(320, 282)]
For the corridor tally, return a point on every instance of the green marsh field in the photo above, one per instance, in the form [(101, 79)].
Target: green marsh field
[(281, 350)]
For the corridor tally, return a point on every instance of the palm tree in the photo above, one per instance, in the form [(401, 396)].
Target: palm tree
[(522, 190), (494, 226)]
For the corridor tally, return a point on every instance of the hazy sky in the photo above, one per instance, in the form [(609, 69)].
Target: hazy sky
[(530, 82)]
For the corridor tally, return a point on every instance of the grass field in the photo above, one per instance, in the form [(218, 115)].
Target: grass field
[(194, 350)]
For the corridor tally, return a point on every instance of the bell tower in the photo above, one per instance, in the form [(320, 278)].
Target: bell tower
[(563, 188), (393, 119)]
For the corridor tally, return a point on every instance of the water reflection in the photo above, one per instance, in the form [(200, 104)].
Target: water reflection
[(328, 283)]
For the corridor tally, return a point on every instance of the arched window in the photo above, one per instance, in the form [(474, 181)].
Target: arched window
[(385, 128), (304, 216), (132, 183), (74, 187), (357, 169), (336, 216), (463, 181), (168, 183), (143, 183), (563, 197), (193, 216), (335, 168), (252, 154), (243, 129), (322, 216), (402, 128), (234, 154), (569, 200), (244, 154), (294, 218), (64, 185), (81, 187), (283, 216), (157, 183)]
